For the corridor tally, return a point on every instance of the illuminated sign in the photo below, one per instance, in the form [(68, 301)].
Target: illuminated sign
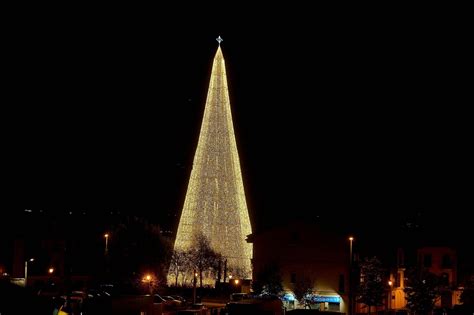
[(330, 299)]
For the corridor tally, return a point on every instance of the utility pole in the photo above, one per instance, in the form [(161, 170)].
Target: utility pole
[(351, 285)]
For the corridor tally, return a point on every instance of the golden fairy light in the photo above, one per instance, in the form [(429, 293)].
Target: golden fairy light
[(215, 200)]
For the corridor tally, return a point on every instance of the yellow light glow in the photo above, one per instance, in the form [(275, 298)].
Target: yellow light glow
[(215, 202), (106, 235), (236, 281), (351, 238), (148, 277), (390, 283), (50, 270)]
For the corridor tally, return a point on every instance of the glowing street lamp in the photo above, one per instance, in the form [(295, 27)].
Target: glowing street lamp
[(50, 271), (26, 269), (106, 235), (351, 238), (350, 248), (148, 278), (194, 286), (390, 283)]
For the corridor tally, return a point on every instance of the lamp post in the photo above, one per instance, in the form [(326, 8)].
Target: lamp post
[(106, 235), (194, 286), (351, 289), (26, 270), (389, 304), (148, 279), (50, 280)]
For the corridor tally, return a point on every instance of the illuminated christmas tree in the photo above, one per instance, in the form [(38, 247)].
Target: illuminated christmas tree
[(215, 200)]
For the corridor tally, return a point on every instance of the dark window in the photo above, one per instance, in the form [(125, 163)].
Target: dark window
[(341, 284), (446, 263), (293, 278), (427, 260)]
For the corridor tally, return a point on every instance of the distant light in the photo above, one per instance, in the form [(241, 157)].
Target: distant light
[(51, 270), (195, 274), (106, 235), (28, 210), (390, 283), (32, 259), (236, 281), (148, 277), (230, 276), (351, 238)]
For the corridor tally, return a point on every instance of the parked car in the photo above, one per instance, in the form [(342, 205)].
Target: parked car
[(252, 305), (166, 300), (172, 299), (179, 298), (49, 292), (234, 297)]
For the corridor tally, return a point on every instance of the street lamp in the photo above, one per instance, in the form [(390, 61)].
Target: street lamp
[(148, 278), (350, 252), (26, 269), (194, 286), (390, 283), (351, 238), (51, 270), (106, 235)]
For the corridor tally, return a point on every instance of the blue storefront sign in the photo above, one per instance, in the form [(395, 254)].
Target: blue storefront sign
[(325, 298)]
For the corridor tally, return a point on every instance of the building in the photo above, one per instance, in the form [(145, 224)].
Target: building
[(215, 204), (396, 296), (306, 254), (440, 261)]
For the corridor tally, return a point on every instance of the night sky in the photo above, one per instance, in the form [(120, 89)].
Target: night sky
[(358, 115)]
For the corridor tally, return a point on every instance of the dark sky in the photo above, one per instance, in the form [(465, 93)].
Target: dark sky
[(357, 114)]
